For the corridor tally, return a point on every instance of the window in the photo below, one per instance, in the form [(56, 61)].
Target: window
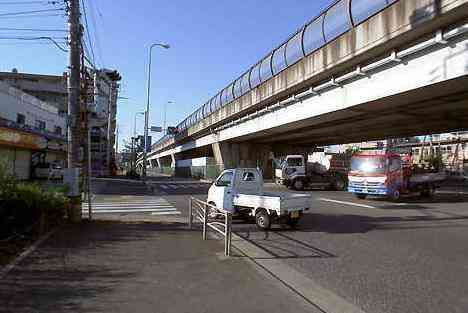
[(225, 179), (58, 130), (313, 36), (238, 88), (336, 21), (294, 49), (395, 165), (265, 69), (361, 10), (255, 76), (245, 83), (295, 162), (279, 60), (20, 119), (248, 176), (40, 125)]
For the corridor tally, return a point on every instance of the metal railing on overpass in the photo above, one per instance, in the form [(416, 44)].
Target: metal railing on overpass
[(337, 19), (347, 36)]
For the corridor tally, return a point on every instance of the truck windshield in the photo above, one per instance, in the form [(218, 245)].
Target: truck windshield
[(368, 165), (295, 162)]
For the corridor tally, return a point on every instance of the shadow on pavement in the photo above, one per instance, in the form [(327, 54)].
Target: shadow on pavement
[(138, 267)]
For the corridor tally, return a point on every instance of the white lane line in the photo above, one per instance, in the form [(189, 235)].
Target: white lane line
[(348, 203), (166, 213), (133, 211), (163, 186), (452, 192), (172, 186)]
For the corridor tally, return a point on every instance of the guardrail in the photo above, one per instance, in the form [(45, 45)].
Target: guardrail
[(201, 211)]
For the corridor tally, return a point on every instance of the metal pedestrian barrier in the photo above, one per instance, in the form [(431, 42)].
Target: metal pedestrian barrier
[(200, 210)]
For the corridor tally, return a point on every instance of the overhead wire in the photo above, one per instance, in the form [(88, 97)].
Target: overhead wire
[(34, 29), (28, 2), (52, 39), (30, 12), (87, 32), (96, 30)]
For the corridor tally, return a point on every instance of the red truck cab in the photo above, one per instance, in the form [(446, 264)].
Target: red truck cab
[(389, 174)]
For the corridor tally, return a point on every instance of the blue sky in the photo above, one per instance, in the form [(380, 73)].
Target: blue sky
[(212, 42)]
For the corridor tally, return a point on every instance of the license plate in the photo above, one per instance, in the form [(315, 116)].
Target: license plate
[(295, 214)]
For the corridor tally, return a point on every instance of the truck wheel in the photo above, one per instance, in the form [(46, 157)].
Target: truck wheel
[(339, 183), (361, 196), (292, 222), (263, 220), (428, 191), (395, 196), (298, 185)]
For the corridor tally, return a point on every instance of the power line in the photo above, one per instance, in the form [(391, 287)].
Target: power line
[(52, 39), (87, 31), (30, 12), (31, 16), (34, 29), (28, 2), (96, 32)]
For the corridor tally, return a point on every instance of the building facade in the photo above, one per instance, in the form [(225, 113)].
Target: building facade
[(32, 132), (102, 95)]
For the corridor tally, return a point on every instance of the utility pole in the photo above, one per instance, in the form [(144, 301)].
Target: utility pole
[(109, 132), (73, 130)]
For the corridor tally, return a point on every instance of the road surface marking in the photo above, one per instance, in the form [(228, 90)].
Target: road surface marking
[(348, 203), (132, 211), (160, 206), (166, 213), (163, 186)]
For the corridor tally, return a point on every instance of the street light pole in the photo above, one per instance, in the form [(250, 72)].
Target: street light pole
[(134, 122), (164, 122), (145, 154)]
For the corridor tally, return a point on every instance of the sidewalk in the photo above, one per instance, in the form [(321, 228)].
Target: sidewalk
[(116, 267)]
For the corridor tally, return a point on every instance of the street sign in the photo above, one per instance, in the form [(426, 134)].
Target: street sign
[(156, 129)]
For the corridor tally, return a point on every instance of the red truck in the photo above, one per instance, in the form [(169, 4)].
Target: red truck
[(391, 175)]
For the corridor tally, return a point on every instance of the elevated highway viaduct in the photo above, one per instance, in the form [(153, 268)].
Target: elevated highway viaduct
[(362, 70)]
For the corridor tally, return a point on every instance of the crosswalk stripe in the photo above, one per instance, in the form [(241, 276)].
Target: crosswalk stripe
[(127, 207), (163, 186), (128, 204)]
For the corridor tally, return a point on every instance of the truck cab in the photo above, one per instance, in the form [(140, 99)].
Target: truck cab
[(375, 174), (319, 170), (388, 174)]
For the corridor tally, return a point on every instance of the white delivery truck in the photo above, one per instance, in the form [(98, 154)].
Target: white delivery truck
[(241, 191)]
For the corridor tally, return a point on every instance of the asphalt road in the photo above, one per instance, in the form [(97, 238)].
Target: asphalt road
[(381, 256)]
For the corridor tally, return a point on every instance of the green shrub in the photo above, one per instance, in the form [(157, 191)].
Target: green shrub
[(28, 205)]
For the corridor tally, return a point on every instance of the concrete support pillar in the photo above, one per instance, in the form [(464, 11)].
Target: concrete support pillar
[(173, 160), (231, 155)]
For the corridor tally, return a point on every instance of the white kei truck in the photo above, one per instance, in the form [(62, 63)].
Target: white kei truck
[(240, 191)]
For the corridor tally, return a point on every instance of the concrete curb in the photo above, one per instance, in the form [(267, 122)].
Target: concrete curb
[(9, 267)]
